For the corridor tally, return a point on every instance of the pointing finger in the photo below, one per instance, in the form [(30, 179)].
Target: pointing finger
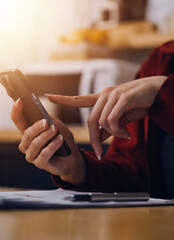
[(74, 101)]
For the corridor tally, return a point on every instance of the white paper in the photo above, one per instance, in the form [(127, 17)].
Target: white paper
[(56, 199)]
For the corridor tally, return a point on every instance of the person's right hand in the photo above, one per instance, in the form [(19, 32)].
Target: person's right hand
[(115, 107), (38, 152)]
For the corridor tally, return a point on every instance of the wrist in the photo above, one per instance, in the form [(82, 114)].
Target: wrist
[(78, 175)]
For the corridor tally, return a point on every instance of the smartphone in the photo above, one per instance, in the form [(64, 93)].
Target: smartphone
[(17, 86)]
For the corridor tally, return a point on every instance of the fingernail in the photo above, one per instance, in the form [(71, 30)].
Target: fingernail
[(44, 121), (17, 101), (126, 137), (59, 138), (53, 128), (47, 94), (98, 155)]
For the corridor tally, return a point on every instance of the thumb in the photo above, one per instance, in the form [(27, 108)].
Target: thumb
[(17, 116)]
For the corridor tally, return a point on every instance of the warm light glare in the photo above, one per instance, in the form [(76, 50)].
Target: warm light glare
[(29, 29), (8, 15)]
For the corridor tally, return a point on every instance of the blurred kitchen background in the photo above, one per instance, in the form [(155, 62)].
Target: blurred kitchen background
[(72, 47)]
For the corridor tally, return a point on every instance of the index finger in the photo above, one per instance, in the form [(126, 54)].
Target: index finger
[(88, 100)]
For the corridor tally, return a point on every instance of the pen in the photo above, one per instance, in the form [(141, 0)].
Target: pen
[(106, 197)]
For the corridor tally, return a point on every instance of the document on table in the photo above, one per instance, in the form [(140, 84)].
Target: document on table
[(58, 199)]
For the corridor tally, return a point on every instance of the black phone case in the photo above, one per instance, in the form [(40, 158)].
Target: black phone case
[(17, 86)]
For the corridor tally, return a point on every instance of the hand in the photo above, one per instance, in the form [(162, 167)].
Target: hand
[(115, 107), (33, 144)]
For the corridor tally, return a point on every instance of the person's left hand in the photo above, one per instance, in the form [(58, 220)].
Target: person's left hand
[(40, 141)]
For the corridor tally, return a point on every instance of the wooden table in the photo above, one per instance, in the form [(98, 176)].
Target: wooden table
[(153, 223)]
